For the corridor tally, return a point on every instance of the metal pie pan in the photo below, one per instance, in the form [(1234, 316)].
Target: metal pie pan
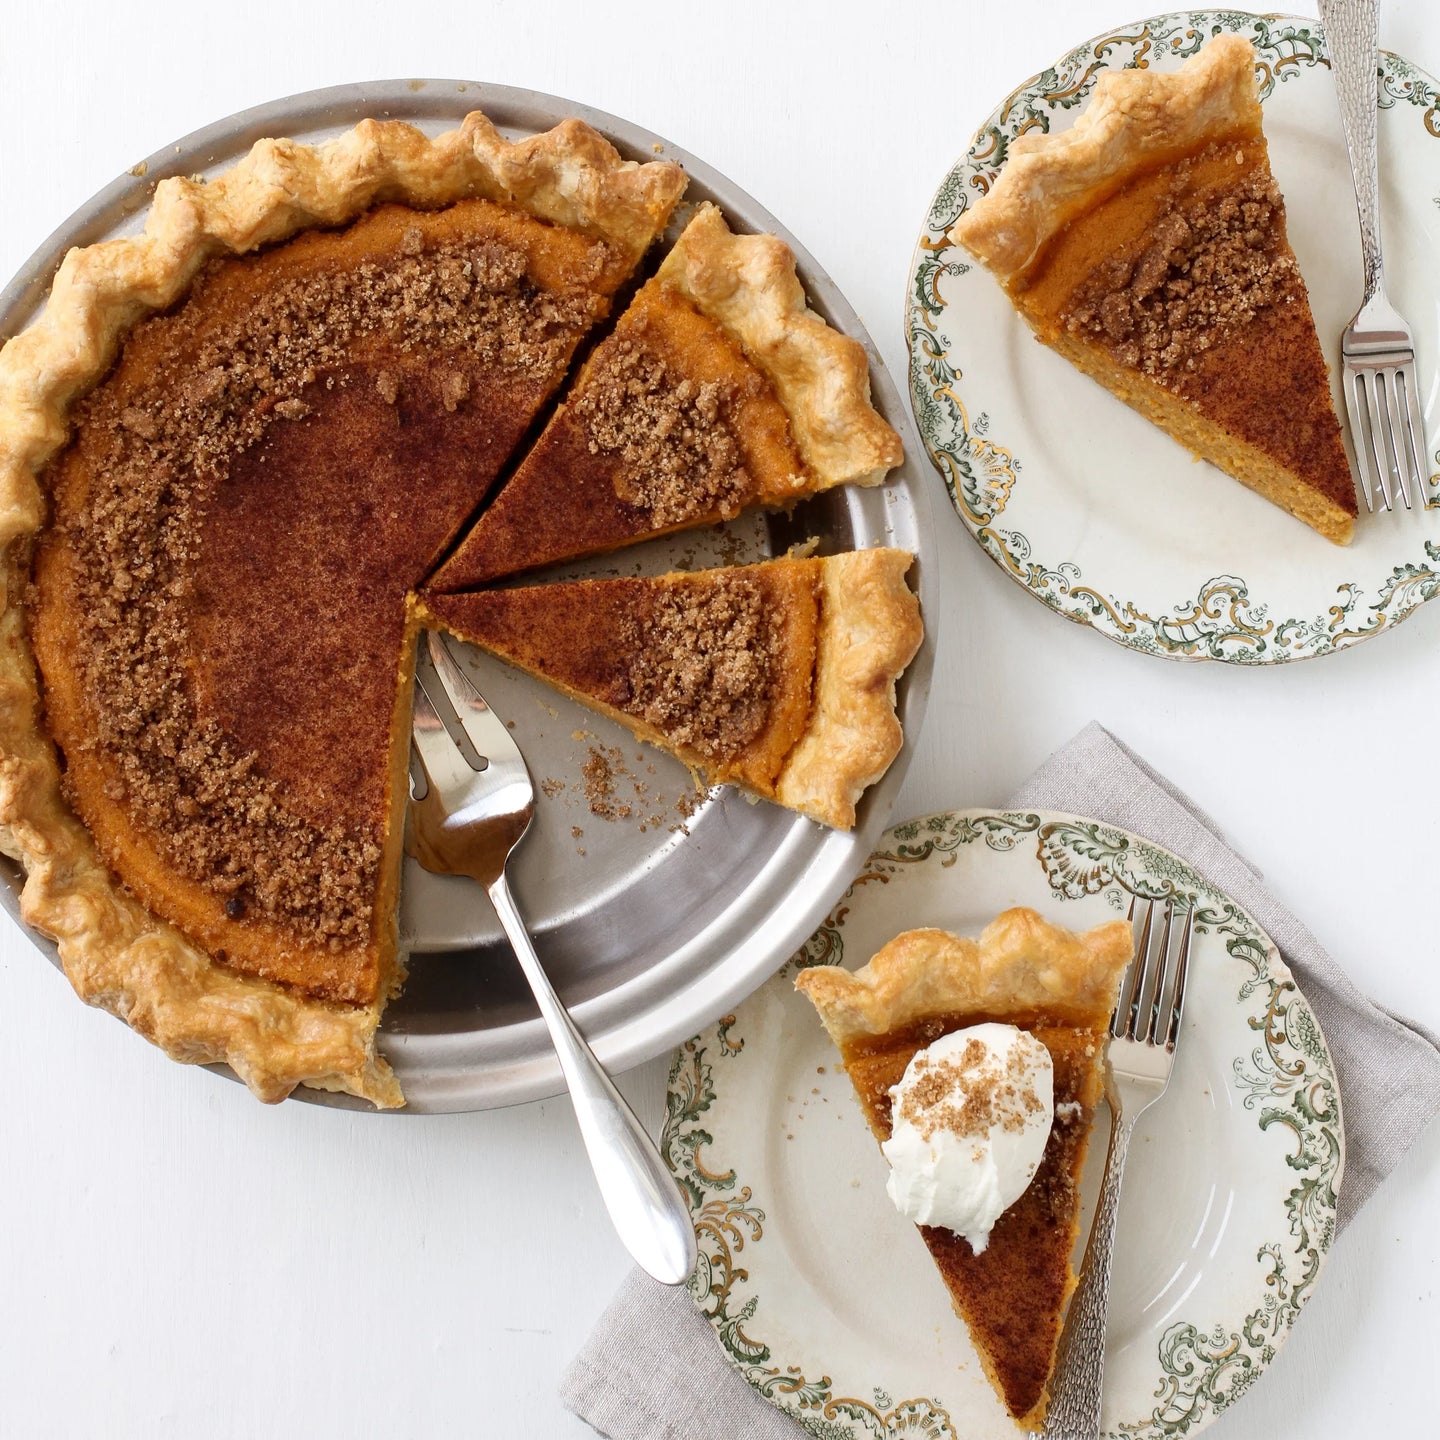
[(653, 923)]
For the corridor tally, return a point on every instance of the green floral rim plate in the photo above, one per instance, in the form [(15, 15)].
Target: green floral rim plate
[(1092, 509), (822, 1295)]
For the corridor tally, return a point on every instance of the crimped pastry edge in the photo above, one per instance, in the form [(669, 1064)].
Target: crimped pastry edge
[(747, 284), (115, 953), (1020, 964), (1135, 119), (870, 629)]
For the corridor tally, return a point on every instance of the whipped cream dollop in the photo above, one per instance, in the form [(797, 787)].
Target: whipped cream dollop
[(969, 1123)]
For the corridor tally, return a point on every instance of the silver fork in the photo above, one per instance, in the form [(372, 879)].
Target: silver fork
[(477, 803), (1387, 422), (1144, 1031)]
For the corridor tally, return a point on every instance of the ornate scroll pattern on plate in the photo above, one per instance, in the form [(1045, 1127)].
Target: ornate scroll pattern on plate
[(1223, 620), (1203, 1364), (1402, 83)]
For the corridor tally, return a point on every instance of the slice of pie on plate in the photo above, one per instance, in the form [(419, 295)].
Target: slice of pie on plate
[(1147, 244), (779, 677), (717, 390), (1058, 986), (230, 464)]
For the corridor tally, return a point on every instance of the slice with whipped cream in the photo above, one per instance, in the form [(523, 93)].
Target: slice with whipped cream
[(978, 1064)]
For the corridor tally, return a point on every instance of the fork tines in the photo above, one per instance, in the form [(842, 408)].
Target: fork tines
[(1152, 995), (1385, 424)]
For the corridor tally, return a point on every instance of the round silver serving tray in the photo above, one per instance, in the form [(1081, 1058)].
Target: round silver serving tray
[(654, 923)]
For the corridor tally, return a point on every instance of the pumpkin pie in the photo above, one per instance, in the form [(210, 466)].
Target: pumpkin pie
[(1147, 244), (717, 390), (778, 677), (1058, 986), (231, 450)]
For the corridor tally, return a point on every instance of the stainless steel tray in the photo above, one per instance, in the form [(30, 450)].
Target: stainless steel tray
[(654, 930)]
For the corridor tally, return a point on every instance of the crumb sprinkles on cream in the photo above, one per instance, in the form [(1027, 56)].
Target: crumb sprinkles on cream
[(970, 1121)]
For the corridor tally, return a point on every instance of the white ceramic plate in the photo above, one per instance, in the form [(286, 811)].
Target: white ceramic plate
[(823, 1296), (1092, 509)]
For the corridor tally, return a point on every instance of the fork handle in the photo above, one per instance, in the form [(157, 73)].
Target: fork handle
[(1074, 1412), (644, 1202), (1350, 27)]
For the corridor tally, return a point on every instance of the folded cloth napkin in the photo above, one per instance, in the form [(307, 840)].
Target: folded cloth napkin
[(652, 1369)]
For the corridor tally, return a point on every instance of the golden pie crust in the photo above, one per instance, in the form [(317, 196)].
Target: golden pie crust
[(747, 284), (1137, 120), (1148, 245), (117, 954), (1061, 988), (773, 405), (844, 628), (1020, 965)]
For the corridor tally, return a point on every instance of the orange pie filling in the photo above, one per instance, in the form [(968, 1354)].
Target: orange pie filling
[(300, 439), (669, 426)]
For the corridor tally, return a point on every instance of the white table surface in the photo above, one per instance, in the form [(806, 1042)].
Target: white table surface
[(176, 1259)]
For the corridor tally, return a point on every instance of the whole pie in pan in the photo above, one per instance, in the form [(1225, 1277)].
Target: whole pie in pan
[(1061, 988), (1147, 244), (231, 449)]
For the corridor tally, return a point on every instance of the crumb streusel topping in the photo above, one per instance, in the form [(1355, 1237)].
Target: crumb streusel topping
[(161, 450), (1212, 264), (678, 453), (705, 665), (960, 1096)]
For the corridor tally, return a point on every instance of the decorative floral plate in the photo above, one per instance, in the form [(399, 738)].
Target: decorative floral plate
[(821, 1293), (1092, 509)]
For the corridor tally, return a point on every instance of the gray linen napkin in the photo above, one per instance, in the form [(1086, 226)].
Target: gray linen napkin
[(652, 1369)]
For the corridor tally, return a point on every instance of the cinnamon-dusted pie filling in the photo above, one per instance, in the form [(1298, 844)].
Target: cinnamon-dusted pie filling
[(1058, 986), (1148, 245), (301, 438)]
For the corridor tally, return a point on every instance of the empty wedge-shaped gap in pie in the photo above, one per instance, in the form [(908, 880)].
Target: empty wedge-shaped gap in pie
[(718, 389)]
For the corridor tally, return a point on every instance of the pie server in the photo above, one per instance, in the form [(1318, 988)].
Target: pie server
[(472, 802)]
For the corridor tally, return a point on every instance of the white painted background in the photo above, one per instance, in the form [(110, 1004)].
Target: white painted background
[(176, 1259)]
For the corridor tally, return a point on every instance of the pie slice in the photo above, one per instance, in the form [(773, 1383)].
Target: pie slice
[(1058, 986), (218, 605), (779, 677), (718, 389), (1147, 244)]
